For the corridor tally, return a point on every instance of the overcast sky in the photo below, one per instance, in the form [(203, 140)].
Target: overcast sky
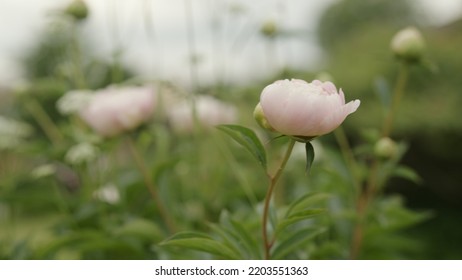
[(226, 37)]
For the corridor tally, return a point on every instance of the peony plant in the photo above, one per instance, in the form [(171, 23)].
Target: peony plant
[(301, 111)]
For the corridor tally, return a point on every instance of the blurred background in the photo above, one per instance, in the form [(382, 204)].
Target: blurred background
[(232, 48)]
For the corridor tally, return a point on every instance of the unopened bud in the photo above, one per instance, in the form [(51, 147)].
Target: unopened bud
[(261, 119), (269, 29), (385, 148), (77, 9), (408, 44)]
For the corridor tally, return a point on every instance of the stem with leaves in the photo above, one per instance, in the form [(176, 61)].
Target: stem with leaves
[(370, 188), (273, 179), (140, 163)]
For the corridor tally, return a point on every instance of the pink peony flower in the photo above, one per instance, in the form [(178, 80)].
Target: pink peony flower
[(113, 110), (305, 110)]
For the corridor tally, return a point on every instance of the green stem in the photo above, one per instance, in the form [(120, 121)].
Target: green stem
[(369, 190), (140, 163), (348, 155), (397, 95), (79, 76), (191, 44), (44, 121), (273, 181)]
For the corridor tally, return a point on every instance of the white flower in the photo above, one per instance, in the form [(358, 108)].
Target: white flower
[(297, 108)]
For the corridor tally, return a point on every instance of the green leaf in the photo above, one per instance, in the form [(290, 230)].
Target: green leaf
[(248, 139), (407, 173), (273, 218), (230, 240), (237, 236), (309, 156), (249, 242), (186, 235), (142, 229), (294, 241), (297, 217), (201, 242), (50, 249), (305, 201)]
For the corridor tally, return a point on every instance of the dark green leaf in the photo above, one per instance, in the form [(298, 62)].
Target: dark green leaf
[(294, 241), (407, 173), (309, 156), (248, 139), (201, 242), (393, 215)]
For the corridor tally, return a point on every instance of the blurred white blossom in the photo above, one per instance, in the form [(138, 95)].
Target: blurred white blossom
[(73, 101), (107, 193), (13, 132), (81, 153), (43, 170)]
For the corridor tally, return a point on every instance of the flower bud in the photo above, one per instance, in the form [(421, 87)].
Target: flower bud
[(260, 118), (385, 148), (269, 29), (408, 44), (304, 110), (77, 9)]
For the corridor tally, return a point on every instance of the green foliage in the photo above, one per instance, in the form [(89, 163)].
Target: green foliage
[(248, 139), (309, 156), (201, 242)]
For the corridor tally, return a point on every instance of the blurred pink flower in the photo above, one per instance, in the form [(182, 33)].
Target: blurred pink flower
[(114, 110), (297, 108), (210, 112)]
